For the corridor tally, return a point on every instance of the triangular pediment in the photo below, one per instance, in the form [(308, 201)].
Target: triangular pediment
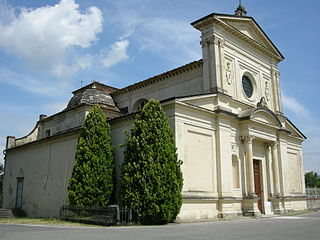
[(243, 27), (249, 27)]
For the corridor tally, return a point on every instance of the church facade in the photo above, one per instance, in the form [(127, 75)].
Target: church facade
[(241, 155)]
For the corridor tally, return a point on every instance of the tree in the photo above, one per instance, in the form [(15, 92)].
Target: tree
[(311, 179), (151, 178), (91, 183)]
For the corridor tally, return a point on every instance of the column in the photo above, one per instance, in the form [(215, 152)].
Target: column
[(275, 168), (249, 159), (269, 169)]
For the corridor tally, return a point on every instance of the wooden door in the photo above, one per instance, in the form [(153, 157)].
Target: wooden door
[(257, 182)]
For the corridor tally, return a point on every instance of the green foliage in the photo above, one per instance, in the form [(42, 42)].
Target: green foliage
[(91, 183), (312, 179), (151, 178)]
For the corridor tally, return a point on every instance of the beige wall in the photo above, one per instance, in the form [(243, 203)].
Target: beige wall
[(46, 168), (184, 84)]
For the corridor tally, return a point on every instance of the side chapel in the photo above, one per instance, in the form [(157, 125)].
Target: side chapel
[(241, 155)]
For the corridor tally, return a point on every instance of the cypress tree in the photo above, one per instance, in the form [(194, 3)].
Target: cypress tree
[(151, 178), (91, 183)]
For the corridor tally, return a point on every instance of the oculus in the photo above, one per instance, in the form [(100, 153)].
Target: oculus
[(247, 86)]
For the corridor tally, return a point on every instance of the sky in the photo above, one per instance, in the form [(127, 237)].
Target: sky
[(50, 48)]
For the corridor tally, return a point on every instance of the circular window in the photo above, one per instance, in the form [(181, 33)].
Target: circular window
[(247, 86)]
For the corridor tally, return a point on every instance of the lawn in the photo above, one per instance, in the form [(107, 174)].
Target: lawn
[(42, 221)]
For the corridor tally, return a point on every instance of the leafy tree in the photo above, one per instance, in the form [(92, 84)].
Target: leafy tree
[(91, 183), (151, 178), (311, 179)]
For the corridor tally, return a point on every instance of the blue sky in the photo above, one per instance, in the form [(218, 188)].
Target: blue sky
[(49, 48)]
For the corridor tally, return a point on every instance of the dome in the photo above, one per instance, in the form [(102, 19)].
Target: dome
[(91, 94)]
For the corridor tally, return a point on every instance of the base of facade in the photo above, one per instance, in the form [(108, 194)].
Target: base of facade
[(278, 205), (250, 206)]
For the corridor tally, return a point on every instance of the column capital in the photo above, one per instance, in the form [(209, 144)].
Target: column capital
[(247, 138), (212, 39), (268, 145), (274, 145), (206, 41)]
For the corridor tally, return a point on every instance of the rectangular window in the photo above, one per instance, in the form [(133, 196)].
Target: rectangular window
[(19, 194)]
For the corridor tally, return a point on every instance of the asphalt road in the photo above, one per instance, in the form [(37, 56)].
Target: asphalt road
[(306, 226)]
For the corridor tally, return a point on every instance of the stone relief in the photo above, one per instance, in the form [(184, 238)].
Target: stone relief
[(267, 91), (228, 73), (262, 103)]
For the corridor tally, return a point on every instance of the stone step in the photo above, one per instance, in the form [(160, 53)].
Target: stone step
[(6, 213)]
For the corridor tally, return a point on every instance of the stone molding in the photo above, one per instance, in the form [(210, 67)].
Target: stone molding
[(173, 73)]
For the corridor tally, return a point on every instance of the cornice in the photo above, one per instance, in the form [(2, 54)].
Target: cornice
[(42, 140), (254, 29), (175, 72), (215, 19), (229, 28)]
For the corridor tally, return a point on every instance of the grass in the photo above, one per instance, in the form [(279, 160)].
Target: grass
[(58, 222), (43, 221), (295, 213)]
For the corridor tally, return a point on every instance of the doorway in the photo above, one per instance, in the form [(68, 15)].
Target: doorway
[(257, 182), (19, 193)]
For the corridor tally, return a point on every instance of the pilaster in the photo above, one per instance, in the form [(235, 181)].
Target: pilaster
[(275, 168), (249, 160), (269, 170), (213, 61), (276, 199), (250, 202), (275, 76)]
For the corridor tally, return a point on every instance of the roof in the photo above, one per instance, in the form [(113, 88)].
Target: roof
[(98, 86), (94, 93), (187, 67)]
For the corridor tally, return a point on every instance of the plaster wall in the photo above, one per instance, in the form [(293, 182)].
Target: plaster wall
[(45, 169), (67, 120), (195, 141), (184, 84), (198, 210)]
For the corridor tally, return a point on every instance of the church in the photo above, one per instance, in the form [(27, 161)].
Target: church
[(241, 155)]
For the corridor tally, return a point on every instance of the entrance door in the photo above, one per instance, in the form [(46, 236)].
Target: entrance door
[(19, 194), (257, 182)]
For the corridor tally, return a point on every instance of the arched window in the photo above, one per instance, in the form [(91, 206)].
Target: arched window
[(139, 104), (47, 133), (235, 172)]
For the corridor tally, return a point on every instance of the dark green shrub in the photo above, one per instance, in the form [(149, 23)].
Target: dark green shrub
[(151, 178), (91, 183)]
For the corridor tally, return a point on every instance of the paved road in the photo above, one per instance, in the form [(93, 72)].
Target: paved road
[(300, 227)]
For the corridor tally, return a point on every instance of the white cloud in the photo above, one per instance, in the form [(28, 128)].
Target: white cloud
[(33, 85), (292, 104), (81, 63), (116, 54), (171, 38), (43, 35), (311, 147), (54, 107)]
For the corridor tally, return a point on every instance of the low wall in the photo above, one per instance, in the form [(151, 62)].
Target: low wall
[(313, 203)]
